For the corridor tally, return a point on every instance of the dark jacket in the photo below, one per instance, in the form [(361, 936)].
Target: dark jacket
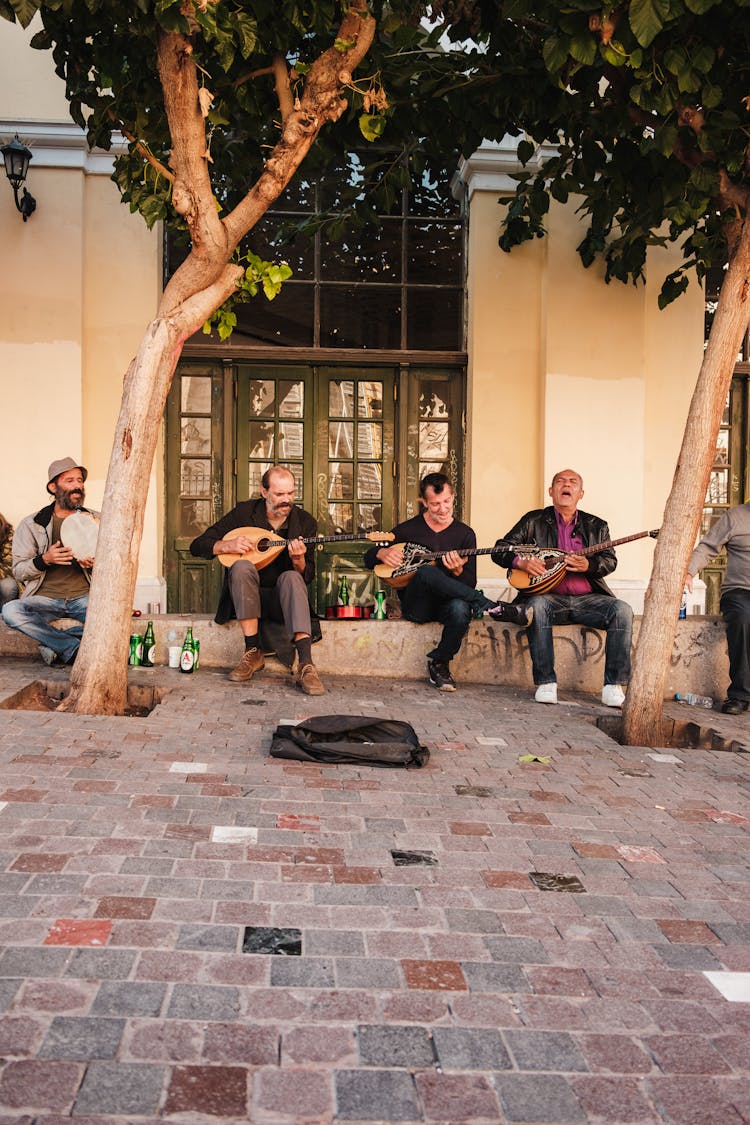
[(540, 528), (252, 513)]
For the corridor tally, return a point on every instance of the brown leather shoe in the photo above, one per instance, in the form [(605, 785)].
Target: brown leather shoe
[(309, 680), (252, 662)]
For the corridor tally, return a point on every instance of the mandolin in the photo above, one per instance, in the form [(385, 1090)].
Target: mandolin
[(267, 545), (554, 560)]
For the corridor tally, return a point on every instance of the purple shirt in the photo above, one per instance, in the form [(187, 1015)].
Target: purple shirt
[(570, 541)]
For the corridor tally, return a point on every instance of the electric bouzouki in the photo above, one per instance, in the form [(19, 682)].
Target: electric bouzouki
[(267, 545), (554, 560)]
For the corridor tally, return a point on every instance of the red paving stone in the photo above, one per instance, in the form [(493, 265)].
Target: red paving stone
[(681, 931), (439, 975), (78, 931), (218, 1091)]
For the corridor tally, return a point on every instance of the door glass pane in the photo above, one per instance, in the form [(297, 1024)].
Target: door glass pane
[(718, 487), (369, 439), (432, 401), (195, 516), (195, 394), (369, 517), (262, 398), (369, 481), (433, 441), (340, 480), (256, 469), (369, 399), (261, 440), (195, 436), (195, 478), (340, 439), (722, 448), (291, 439), (340, 516), (340, 398), (291, 399)]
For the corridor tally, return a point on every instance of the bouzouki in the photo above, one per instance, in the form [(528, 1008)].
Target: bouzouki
[(554, 560), (416, 556), (267, 545)]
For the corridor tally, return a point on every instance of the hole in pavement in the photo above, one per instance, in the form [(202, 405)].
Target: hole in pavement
[(411, 859), (546, 881), (680, 734), (266, 939), (44, 695)]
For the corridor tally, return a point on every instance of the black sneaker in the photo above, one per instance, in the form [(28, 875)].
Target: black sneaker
[(515, 613), (440, 675)]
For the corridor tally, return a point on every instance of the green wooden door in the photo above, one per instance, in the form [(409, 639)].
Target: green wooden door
[(354, 471), (198, 485)]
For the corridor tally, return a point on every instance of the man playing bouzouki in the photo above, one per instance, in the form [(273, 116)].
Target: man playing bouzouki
[(581, 597), (446, 591), (275, 593)]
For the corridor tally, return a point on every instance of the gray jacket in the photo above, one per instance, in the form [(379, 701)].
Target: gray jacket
[(732, 530), (32, 538)]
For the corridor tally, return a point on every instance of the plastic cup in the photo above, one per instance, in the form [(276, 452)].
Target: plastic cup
[(174, 656)]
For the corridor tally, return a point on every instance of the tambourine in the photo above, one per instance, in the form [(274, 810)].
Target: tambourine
[(80, 532)]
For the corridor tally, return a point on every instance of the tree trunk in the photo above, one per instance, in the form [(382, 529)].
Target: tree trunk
[(98, 680), (642, 711)]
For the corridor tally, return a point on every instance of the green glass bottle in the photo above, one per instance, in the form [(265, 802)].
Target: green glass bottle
[(149, 647), (344, 591), (187, 656)]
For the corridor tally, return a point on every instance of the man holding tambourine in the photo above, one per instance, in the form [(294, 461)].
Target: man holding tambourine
[(53, 553)]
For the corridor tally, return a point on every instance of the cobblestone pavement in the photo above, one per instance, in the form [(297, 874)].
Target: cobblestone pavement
[(564, 940)]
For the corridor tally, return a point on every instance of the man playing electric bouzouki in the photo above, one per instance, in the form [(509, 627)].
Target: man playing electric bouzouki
[(579, 596), (445, 592), (276, 592)]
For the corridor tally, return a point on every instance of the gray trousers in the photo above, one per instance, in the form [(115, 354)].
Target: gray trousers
[(286, 602)]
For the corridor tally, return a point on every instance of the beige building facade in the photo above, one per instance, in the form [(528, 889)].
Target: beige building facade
[(559, 370)]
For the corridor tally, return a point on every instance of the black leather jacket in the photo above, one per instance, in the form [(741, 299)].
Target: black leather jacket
[(540, 527)]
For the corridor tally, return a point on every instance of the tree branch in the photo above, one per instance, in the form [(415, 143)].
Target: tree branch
[(283, 89), (144, 152)]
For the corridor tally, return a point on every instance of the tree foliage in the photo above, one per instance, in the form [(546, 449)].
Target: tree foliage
[(641, 109)]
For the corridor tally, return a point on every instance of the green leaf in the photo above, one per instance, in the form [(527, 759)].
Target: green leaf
[(647, 19), (25, 10), (525, 151), (555, 53), (534, 758), (247, 29), (584, 48), (371, 125)]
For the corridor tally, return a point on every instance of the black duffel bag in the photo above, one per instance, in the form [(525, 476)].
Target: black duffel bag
[(350, 739)]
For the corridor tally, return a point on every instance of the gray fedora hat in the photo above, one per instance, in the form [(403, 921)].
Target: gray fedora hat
[(62, 466)]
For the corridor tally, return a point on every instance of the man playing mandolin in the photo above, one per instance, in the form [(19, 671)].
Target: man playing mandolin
[(576, 593), (446, 591), (275, 593), (55, 583)]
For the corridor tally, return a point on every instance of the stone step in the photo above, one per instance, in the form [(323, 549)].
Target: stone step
[(492, 653)]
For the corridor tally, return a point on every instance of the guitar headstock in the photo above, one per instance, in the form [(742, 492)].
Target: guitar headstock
[(654, 534), (380, 536)]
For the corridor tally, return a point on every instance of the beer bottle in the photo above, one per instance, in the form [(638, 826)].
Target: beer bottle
[(149, 647), (344, 590), (187, 656)]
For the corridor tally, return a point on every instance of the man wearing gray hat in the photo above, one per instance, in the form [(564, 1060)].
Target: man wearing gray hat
[(54, 582)]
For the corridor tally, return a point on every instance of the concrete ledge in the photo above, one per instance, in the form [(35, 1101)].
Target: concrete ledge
[(491, 654)]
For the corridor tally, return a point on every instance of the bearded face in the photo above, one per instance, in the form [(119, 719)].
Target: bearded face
[(68, 491)]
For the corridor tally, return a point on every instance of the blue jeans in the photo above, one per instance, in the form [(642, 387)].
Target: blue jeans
[(598, 611), (33, 615), (433, 595), (735, 609), (8, 590)]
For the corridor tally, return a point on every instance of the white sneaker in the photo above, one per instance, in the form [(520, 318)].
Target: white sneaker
[(613, 695), (546, 693)]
